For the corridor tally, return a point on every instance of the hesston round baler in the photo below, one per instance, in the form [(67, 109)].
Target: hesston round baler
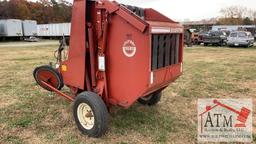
[(118, 55)]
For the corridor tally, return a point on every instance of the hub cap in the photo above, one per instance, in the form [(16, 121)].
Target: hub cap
[(85, 116)]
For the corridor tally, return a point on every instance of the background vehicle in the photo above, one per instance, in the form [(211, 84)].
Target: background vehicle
[(240, 38), (29, 28), (31, 39), (191, 37), (201, 36), (16, 29), (195, 38), (11, 28), (188, 38), (215, 38), (54, 30)]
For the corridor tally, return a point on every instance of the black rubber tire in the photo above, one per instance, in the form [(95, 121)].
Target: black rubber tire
[(152, 99), (190, 44), (100, 113), (205, 44), (53, 71), (196, 42), (222, 43), (247, 46)]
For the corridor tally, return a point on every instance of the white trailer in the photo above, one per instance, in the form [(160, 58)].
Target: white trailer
[(232, 27), (11, 28), (29, 28), (54, 30)]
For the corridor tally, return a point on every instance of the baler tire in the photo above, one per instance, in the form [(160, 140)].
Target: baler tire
[(53, 71), (151, 100), (99, 113), (247, 46)]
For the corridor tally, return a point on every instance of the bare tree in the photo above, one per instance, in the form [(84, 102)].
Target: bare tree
[(234, 12), (237, 15), (254, 17)]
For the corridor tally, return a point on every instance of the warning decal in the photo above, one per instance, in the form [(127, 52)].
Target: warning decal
[(129, 48)]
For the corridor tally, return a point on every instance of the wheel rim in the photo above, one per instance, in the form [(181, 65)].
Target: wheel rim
[(85, 116), (146, 98), (47, 76)]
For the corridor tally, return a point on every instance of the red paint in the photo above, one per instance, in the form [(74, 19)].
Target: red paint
[(75, 76), (126, 78), (92, 54), (58, 92), (153, 15), (48, 77)]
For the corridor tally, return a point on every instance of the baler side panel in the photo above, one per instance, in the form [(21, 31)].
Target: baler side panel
[(127, 76), (75, 74), (153, 15)]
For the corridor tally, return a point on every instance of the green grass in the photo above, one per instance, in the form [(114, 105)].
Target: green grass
[(145, 120), (13, 140), (29, 114)]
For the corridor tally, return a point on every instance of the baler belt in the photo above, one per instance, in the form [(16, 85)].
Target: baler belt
[(136, 10)]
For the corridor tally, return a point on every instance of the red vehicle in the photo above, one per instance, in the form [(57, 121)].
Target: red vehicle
[(118, 55)]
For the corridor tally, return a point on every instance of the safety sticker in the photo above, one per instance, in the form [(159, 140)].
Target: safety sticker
[(129, 48)]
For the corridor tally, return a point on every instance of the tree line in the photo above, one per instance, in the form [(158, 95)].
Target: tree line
[(237, 15), (43, 11)]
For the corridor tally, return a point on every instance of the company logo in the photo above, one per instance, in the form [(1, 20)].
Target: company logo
[(44, 29), (129, 48), (224, 120)]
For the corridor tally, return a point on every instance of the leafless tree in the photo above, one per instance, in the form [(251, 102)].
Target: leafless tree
[(237, 15)]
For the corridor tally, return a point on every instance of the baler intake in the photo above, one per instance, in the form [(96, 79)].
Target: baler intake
[(118, 54)]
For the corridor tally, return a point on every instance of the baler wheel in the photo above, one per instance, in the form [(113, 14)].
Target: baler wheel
[(91, 114), (151, 100), (50, 76)]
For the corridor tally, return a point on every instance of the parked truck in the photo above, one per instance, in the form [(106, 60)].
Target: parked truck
[(215, 38)]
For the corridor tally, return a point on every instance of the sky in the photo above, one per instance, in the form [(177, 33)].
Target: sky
[(181, 10)]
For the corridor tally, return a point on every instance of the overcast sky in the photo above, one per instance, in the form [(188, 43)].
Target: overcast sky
[(189, 9)]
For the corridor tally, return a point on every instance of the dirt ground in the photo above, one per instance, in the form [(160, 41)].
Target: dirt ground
[(29, 114)]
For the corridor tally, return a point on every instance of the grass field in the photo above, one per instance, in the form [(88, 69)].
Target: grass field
[(28, 114)]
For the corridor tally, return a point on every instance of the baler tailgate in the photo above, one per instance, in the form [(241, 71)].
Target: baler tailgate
[(165, 50)]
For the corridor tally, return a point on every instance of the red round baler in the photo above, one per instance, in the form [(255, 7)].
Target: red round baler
[(118, 54)]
